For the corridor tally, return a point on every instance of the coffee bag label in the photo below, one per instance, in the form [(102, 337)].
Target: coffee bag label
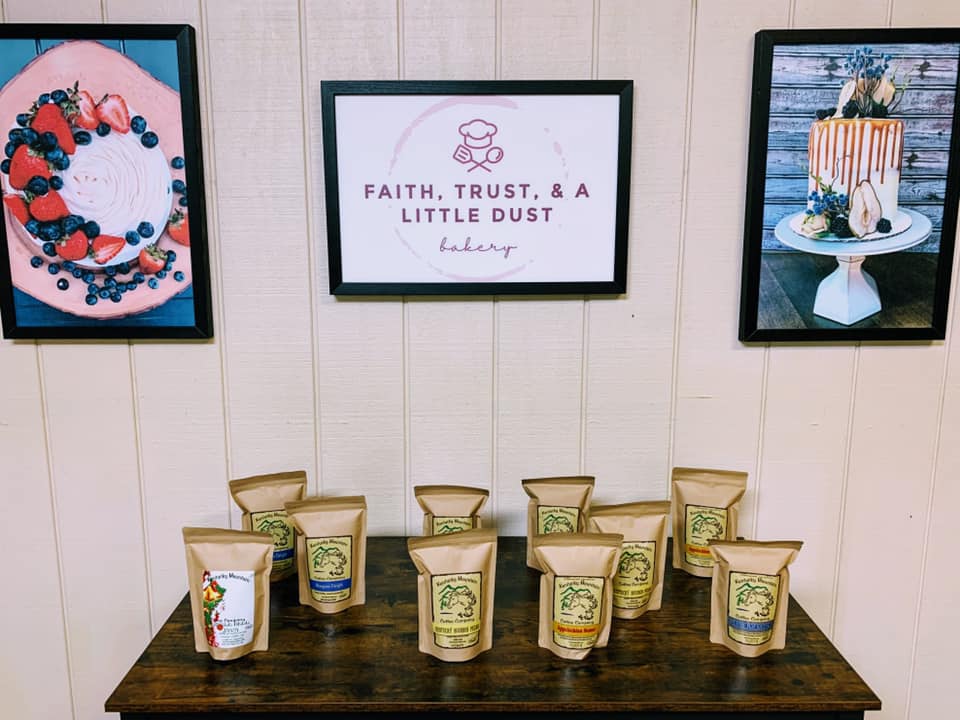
[(577, 606), (456, 603), (228, 600), (330, 567), (703, 524), (557, 519), (447, 525), (751, 607), (279, 526), (633, 583)]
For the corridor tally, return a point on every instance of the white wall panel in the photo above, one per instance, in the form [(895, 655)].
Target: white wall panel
[(359, 343), (718, 380), (260, 162), (630, 345), (802, 472)]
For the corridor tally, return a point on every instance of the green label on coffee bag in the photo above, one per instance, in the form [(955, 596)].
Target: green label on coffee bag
[(456, 609), (330, 564), (557, 519), (703, 524), (751, 607), (577, 606), (447, 525), (277, 524), (633, 583)]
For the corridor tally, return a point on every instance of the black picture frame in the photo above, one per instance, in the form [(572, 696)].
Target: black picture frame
[(158, 63), (334, 160), (794, 71)]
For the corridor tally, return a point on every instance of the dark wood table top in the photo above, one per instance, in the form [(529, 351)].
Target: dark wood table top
[(366, 660)]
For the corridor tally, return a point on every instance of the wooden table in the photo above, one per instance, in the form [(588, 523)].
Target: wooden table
[(366, 660)]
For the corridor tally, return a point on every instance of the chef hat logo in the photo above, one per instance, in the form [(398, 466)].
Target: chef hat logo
[(478, 133)]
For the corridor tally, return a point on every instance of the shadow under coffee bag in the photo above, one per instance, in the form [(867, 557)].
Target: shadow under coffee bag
[(455, 590), (576, 591), (331, 551), (750, 594), (557, 505), (638, 584), (228, 573), (706, 506), (261, 497), (450, 508)]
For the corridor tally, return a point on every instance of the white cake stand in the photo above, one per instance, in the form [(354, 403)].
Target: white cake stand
[(849, 293)]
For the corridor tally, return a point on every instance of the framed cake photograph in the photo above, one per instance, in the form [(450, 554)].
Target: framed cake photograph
[(852, 185), (477, 187), (104, 227)]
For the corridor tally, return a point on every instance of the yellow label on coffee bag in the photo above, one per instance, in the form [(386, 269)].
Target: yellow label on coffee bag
[(577, 606), (277, 524), (633, 583), (703, 524), (456, 602), (751, 607), (557, 519), (447, 525), (330, 566)]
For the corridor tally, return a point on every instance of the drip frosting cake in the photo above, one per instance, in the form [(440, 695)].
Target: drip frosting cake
[(855, 154)]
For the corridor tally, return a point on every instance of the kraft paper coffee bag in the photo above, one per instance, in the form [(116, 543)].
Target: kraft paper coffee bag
[(750, 594), (706, 506), (261, 498), (450, 508), (455, 592), (576, 591), (331, 551), (557, 505), (228, 573), (638, 584)]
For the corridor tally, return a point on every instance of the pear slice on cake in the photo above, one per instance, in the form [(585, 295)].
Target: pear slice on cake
[(865, 210)]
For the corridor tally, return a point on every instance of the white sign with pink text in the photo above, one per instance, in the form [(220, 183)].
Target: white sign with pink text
[(478, 188)]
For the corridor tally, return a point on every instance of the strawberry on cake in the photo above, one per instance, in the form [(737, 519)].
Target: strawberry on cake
[(90, 177)]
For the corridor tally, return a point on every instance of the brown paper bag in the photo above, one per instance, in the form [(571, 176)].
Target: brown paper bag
[(450, 508), (576, 591), (331, 551), (750, 594), (261, 498), (228, 573), (557, 505), (706, 506), (638, 584), (455, 592)]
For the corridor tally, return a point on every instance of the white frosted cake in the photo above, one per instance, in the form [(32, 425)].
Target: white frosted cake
[(846, 152)]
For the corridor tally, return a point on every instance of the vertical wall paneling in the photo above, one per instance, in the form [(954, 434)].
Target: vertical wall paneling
[(937, 633), (449, 343), (181, 433), (628, 411), (719, 381), (805, 432), (32, 684), (258, 143), (540, 342), (896, 427), (360, 342), (851, 448), (95, 470)]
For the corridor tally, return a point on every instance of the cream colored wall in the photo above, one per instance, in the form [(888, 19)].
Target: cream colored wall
[(107, 449)]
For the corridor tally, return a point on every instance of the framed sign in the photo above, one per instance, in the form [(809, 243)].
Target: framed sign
[(477, 187), (103, 232), (851, 208)]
